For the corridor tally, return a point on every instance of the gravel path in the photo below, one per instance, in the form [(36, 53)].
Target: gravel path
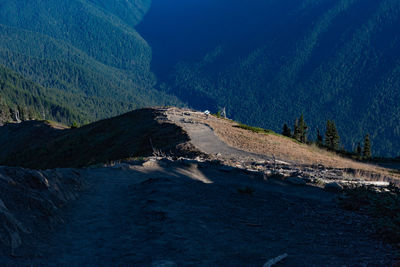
[(203, 137)]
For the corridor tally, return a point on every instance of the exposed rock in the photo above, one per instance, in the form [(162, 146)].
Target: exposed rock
[(321, 167), (189, 162), (296, 174), (150, 163), (268, 173)]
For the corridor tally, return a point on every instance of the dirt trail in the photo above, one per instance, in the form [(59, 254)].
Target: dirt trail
[(196, 216), (203, 137)]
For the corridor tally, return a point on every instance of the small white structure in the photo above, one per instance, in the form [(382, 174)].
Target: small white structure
[(207, 112)]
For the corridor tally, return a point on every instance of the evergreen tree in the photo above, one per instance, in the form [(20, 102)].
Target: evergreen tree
[(367, 148), (359, 151), (286, 131), (303, 129), (332, 138), (300, 130)]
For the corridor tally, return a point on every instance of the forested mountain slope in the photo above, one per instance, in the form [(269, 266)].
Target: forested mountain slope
[(270, 61), (266, 61), (88, 49), (21, 99)]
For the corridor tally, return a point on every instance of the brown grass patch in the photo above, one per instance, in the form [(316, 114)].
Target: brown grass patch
[(287, 149)]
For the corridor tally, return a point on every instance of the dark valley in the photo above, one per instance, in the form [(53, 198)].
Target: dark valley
[(269, 61)]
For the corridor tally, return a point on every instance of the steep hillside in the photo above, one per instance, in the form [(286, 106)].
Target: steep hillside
[(137, 133), (270, 61), (88, 49), (21, 99)]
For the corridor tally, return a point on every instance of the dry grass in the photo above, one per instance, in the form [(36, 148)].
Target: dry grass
[(287, 149), (56, 125)]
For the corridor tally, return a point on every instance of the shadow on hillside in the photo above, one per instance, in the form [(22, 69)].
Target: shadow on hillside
[(201, 215), (194, 214)]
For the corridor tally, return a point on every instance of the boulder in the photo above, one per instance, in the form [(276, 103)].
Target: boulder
[(151, 163)]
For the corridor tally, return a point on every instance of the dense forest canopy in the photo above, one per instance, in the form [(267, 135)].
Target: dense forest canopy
[(266, 61), (21, 99), (87, 52)]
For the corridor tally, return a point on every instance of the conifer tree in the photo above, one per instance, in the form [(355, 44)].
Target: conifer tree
[(286, 131), (302, 129), (332, 138), (296, 132), (367, 148)]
